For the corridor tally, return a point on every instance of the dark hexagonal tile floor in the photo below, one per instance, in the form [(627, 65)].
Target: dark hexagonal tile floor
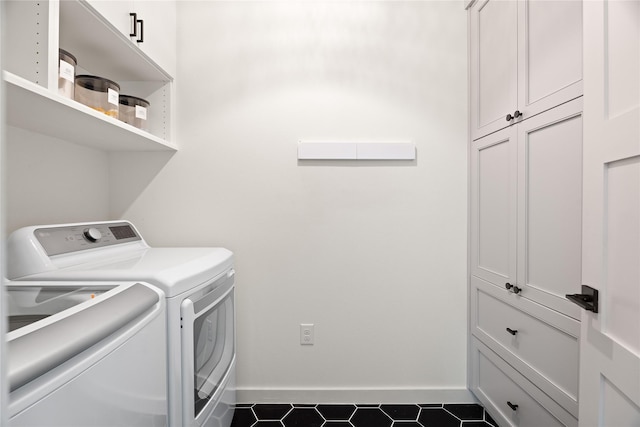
[(303, 417), (358, 415), (438, 417), (271, 412), (401, 412), (336, 412), (368, 417)]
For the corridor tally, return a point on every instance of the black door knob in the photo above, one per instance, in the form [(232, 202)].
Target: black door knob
[(509, 117), (512, 406), (512, 331), (516, 290), (508, 286), (517, 114)]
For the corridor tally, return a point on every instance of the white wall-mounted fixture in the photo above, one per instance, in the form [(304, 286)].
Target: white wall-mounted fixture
[(356, 150), (306, 333)]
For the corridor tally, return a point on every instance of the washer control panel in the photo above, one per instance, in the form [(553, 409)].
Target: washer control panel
[(62, 240)]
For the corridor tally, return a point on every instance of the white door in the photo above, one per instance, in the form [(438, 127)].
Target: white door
[(550, 206), (494, 65), (117, 13), (3, 388), (610, 339), (549, 54), (493, 207), (159, 27)]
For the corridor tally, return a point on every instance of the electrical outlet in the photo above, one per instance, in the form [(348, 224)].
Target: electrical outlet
[(306, 334)]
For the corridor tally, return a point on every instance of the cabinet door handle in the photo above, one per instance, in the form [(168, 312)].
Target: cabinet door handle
[(516, 290), (508, 286), (509, 117), (512, 331), (517, 114), (141, 38), (512, 406), (134, 24)]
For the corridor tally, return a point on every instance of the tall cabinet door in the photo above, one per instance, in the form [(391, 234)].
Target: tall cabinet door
[(549, 54), (550, 207), (493, 207), (610, 338), (494, 68)]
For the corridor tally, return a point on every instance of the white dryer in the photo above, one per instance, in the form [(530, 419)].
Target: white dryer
[(199, 287), (86, 354)]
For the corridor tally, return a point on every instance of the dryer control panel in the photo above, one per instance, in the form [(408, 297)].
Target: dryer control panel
[(73, 238)]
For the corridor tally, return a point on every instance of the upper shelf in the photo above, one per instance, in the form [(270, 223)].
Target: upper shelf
[(32, 107), (95, 41)]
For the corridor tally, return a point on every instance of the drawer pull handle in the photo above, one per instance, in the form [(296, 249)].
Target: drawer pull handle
[(508, 286), (512, 406), (516, 290), (509, 117), (512, 331), (517, 114)]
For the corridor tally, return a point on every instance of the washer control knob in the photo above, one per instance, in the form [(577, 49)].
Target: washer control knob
[(92, 234)]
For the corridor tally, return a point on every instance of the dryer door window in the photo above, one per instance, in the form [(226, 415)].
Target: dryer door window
[(213, 348)]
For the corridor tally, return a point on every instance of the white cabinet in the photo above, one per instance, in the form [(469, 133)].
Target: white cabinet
[(526, 195), (525, 256), (525, 58), (38, 29), (150, 24)]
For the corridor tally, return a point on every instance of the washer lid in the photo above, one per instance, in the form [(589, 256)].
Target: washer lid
[(173, 270), (74, 320)]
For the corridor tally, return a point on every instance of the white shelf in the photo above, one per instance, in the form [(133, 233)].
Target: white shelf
[(32, 107)]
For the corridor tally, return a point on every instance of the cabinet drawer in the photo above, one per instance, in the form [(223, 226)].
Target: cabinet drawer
[(497, 385), (540, 343)]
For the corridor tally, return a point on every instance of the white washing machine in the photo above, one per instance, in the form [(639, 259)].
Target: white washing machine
[(199, 287), (86, 354)]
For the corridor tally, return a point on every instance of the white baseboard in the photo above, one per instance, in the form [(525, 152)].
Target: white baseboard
[(461, 395)]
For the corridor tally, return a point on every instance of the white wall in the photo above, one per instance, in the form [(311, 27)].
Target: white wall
[(372, 253), (52, 181)]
